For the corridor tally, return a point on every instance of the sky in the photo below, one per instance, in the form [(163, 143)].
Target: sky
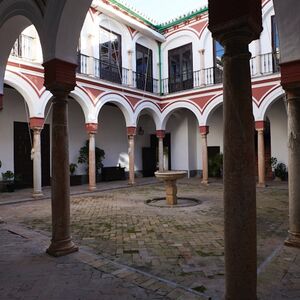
[(164, 10)]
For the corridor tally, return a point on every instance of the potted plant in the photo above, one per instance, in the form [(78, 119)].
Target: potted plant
[(84, 157), (74, 179), (8, 180), (281, 171)]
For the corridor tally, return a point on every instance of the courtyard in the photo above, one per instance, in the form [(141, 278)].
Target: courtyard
[(179, 248)]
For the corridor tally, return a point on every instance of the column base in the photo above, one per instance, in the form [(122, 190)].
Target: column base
[(131, 183), (293, 240), (92, 188), (261, 185), (205, 182), (61, 248), (37, 194)]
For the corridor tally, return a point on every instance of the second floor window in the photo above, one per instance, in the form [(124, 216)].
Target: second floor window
[(110, 58), (275, 45), (218, 65), (144, 68), (180, 68)]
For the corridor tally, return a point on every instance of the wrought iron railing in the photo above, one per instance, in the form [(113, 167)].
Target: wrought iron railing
[(263, 64)]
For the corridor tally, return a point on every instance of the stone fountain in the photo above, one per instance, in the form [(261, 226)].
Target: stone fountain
[(169, 178)]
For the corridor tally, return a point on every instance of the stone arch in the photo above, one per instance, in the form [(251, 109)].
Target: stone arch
[(63, 31), (210, 108), (10, 29), (121, 102), (79, 96), (27, 91), (178, 105), (152, 109), (267, 102)]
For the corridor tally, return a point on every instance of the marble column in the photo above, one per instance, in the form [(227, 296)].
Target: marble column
[(91, 129), (202, 67), (257, 57), (37, 124), (293, 100), (60, 79), (1, 102), (260, 128), (131, 132), (130, 71), (160, 134), (204, 130), (235, 29)]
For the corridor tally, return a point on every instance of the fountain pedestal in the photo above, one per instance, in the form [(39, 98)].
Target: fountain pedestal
[(169, 178)]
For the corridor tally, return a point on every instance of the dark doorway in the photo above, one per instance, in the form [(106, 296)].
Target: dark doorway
[(214, 166), (150, 155), (23, 165)]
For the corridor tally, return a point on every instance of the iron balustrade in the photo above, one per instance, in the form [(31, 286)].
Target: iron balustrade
[(263, 64), (145, 83)]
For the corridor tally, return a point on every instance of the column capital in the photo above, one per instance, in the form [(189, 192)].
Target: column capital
[(91, 127), (131, 130), (1, 102), (37, 123), (245, 18), (290, 75), (60, 76), (130, 51), (160, 133), (204, 130), (201, 51), (260, 125)]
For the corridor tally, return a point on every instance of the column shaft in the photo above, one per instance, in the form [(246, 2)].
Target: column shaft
[(161, 154), (61, 242), (131, 158), (92, 162), (261, 158), (294, 167), (37, 163), (239, 173), (204, 159)]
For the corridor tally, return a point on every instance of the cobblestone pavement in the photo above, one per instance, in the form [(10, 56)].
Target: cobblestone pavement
[(182, 245)]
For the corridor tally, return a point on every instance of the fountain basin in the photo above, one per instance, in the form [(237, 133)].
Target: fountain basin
[(169, 178)]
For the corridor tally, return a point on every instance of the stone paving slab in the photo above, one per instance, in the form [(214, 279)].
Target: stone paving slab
[(27, 272), (182, 247)]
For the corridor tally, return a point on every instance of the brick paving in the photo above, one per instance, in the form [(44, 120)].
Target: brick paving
[(179, 249)]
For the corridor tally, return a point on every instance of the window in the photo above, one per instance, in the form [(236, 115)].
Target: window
[(144, 68), (23, 47), (275, 45), (218, 65), (180, 68), (110, 56)]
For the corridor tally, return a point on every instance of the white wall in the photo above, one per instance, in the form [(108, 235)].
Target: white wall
[(14, 110), (278, 127), (215, 123), (185, 153)]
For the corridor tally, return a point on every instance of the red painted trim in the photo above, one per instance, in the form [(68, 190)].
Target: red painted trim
[(1, 102), (59, 73), (258, 104), (204, 130), (160, 133), (28, 81), (91, 127), (131, 130), (290, 74), (260, 125), (37, 123), (26, 67)]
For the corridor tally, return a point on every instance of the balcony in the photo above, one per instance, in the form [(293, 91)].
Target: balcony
[(94, 67), (261, 65)]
